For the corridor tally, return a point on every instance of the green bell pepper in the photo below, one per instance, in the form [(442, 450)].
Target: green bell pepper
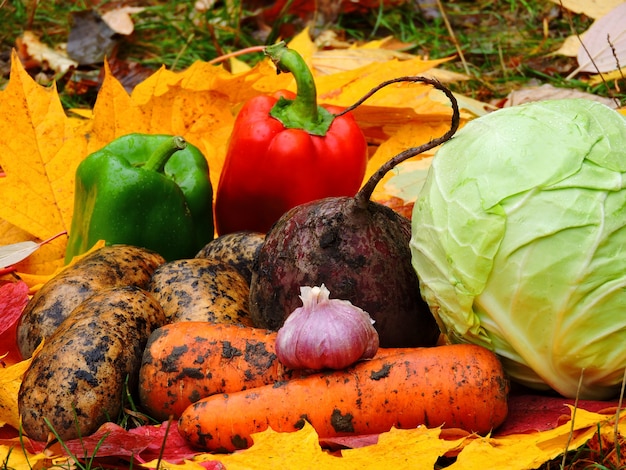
[(145, 190)]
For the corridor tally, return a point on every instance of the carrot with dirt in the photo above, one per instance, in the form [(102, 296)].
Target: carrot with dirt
[(186, 361), (454, 386)]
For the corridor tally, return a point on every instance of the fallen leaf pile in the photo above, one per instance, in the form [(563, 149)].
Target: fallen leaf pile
[(40, 159), (420, 448), (38, 163), (602, 48)]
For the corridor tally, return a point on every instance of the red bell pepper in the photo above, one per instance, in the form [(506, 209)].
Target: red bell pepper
[(285, 151)]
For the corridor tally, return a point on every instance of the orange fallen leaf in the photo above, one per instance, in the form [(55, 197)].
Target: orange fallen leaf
[(10, 381), (529, 451), (15, 458), (417, 448), (200, 104), (412, 448), (39, 159), (114, 113), (202, 116)]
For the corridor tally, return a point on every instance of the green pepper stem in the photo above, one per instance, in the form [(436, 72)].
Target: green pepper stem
[(163, 152), (303, 111)]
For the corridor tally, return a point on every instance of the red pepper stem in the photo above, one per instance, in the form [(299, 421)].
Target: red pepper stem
[(303, 111), (163, 152)]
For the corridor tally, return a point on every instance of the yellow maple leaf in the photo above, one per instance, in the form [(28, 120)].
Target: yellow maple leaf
[(332, 61), (529, 451), (407, 448), (351, 83), (345, 88), (40, 162), (413, 449), (272, 449), (417, 448), (200, 104), (39, 159), (114, 114), (13, 457), (203, 116), (10, 381)]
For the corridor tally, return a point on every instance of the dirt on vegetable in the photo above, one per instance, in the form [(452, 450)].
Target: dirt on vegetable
[(358, 248), (457, 386)]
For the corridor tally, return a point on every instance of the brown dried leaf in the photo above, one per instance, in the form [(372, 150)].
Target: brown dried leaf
[(33, 49), (119, 19), (605, 43)]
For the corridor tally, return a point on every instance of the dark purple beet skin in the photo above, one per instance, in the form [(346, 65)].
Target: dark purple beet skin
[(357, 248), (360, 252)]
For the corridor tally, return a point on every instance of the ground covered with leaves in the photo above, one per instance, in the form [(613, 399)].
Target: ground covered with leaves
[(499, 46), (159, 77)]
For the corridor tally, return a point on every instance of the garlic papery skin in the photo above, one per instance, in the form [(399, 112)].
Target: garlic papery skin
[(325, 333)]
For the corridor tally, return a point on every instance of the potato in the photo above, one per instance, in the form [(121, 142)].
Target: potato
[(201, 289), (77, 380), (117, 265), (238, 249)]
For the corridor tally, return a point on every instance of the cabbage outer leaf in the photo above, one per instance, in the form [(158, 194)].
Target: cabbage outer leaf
[(519, 242)]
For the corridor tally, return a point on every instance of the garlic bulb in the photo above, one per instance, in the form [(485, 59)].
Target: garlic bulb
[(325, 333)]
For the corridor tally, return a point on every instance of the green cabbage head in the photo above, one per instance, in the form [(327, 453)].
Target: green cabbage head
[(519, 243)]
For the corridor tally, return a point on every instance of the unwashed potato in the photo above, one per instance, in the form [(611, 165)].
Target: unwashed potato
[(116, 265), (238, 249), (77, 380), (201, 289)]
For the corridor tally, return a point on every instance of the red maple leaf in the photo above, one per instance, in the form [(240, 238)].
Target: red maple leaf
[(13, 299)]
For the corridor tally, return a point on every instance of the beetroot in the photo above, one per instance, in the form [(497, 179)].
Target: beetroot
[(358, 248)]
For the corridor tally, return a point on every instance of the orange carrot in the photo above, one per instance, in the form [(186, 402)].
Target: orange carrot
[(186, 361), (456, 386)]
